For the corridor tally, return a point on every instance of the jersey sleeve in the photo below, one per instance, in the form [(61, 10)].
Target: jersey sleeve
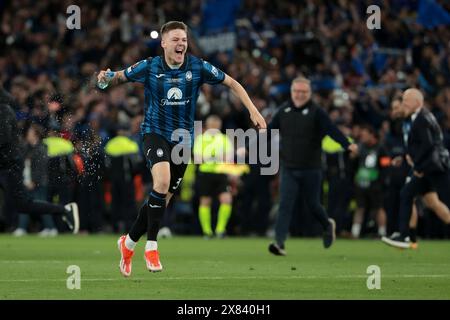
[(138, 71), (211, 74)]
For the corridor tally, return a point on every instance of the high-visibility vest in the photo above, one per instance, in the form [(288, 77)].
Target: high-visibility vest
[(121, 145), (207, 145), (331, 146), (57, 146)]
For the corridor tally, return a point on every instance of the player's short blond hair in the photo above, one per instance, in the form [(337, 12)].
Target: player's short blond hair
[(173, 25)]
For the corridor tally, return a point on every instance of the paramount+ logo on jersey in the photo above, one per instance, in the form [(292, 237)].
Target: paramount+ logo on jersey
[(174, 98)]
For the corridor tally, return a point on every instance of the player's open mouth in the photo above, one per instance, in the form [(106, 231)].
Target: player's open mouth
[(179, 52)]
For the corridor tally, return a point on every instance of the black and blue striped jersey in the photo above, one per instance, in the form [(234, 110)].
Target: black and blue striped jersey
[(171, 94)]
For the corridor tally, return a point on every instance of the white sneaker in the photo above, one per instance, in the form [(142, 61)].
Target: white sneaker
[(398, 242), (382, 231), (71, 218), (44, 232), (48, 232), (19, 232)]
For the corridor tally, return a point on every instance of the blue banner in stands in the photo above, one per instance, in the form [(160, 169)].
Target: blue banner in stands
[(431, 14), (219, 15)]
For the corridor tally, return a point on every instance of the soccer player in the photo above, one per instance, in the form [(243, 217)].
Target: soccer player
[(172, 83)]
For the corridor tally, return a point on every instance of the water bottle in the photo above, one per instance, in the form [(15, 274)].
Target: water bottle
[(108, 76)]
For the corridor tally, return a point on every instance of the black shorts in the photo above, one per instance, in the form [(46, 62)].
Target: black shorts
[(211, 184), (437, 182), (158, 149), (370, 198)]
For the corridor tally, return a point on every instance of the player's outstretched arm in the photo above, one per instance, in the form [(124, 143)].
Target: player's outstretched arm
[(118, 78), (238, 90)]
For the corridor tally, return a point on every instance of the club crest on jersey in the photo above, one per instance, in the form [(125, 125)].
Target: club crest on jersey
[(188, 76), (174, 94)]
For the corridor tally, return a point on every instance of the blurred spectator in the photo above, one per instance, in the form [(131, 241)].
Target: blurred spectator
[(397, 173), (90, 164), (123, 160), (36, 180), (256, 191), (369, 180), (256, 202), (61, 169), (338, 173)]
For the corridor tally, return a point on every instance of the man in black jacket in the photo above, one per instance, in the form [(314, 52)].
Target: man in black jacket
[(399, 168), (11, 166), (429, 159), (302, 126)]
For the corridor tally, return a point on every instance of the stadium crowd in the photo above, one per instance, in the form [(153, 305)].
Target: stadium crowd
[(356, 75)]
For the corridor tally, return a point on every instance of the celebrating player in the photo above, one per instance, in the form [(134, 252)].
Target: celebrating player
[(172, 82)]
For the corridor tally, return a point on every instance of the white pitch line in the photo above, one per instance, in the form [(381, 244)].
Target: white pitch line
[(232, 278), (31, 261)]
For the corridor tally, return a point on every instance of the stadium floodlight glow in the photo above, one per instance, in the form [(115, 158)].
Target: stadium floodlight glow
[(10, 40), (256, 53), (154, 34)]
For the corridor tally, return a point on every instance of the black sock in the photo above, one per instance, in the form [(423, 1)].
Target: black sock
[(155, 212), (140, 224), (413, 234)]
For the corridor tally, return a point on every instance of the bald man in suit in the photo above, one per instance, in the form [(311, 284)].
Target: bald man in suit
[(429, 160)]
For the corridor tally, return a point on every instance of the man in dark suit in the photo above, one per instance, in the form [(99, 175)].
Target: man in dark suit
[(429, 159)]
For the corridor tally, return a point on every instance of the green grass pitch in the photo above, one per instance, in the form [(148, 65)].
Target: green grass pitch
[(232, 268)]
